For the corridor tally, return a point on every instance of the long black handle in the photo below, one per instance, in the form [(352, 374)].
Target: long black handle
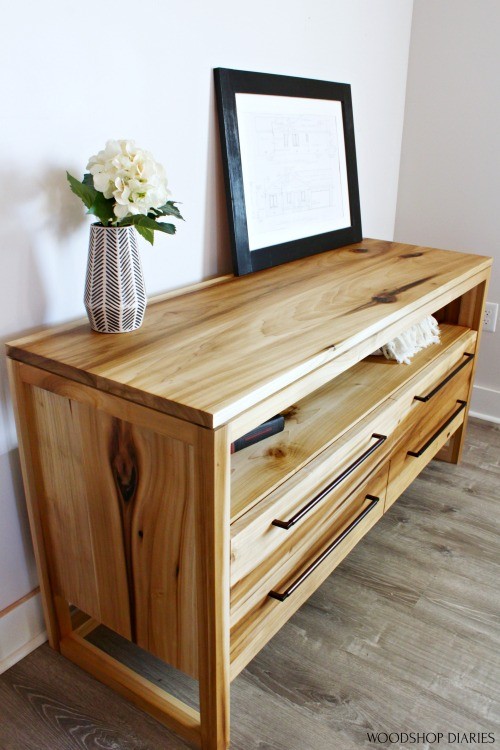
[(443, 427), (334, 483), (447, 379), (282, 596)]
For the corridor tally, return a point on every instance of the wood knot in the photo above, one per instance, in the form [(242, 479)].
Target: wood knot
[(360, 250), (385, 298), (411, 255), (276, 452)]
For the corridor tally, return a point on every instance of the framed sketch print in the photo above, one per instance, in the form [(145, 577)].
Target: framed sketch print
[(290, 166)]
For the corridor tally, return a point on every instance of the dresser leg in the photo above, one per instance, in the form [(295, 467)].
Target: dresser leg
[(213, 554), (33, 483)]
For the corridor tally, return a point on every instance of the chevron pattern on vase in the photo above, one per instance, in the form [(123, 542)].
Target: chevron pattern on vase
[(115, 295)]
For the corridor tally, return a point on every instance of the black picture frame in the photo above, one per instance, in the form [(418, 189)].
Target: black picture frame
[(228, 84)]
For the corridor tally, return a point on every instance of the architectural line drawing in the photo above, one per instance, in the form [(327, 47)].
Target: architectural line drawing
[(293, 174)]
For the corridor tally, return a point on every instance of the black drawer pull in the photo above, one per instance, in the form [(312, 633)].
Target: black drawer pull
[(334, 483), (282, 596), (443, 427), (447, 379)]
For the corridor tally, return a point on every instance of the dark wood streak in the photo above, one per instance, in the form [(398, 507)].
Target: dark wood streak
[(125, 467), (389, 296)]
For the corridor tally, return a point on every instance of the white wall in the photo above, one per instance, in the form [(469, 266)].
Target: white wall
[(75, 75), (449, 188)]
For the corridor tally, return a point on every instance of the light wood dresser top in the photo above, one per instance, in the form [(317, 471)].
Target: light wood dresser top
[(206, 354)]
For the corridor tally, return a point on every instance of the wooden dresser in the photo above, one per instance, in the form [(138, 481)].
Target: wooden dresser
[(142, 519)]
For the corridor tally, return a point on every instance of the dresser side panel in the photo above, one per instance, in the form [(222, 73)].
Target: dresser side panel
[(118, 509)]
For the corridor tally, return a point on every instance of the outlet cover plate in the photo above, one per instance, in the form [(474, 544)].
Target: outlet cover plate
[(490, 317)]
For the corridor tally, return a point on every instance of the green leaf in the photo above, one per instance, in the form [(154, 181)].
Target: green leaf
[(163, 227), (102, 208), (146, 225), (147, 233), (85, 192), (95, 201), (168, 209), (146, 221), (129, 220)]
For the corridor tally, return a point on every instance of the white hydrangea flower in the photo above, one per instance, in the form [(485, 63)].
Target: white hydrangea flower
[(131, 176)]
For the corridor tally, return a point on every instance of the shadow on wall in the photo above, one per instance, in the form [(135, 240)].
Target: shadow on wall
[(63, 209), (34, 215), (12, 491), (38, 215), (216, 223)]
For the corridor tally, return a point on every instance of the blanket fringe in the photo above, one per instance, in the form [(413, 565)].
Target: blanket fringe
[(414, 339)]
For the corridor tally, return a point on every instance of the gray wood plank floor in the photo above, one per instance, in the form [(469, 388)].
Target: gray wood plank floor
[(403, 637)]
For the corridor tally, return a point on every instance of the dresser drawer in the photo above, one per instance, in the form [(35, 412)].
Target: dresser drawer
[(298, 550), (433, 406), (422, 439), (266, 598), (448, 379), (299, 506)]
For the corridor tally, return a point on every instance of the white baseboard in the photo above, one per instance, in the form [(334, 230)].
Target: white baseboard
[(485, 404), (21, 631)]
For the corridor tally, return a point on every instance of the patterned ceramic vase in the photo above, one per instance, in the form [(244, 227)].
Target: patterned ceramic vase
[(115, 295)]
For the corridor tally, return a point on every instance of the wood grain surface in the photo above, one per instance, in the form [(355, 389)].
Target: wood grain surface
[(116, 502), (212, 543), (210, 354), (256, 617), (323, 417), (29, 457), (423, 427), (403, 636)]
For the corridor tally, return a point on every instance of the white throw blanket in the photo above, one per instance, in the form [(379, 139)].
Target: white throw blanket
[(414, 339)]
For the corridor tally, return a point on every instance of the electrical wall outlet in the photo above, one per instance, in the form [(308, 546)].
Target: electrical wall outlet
[(490, 317)]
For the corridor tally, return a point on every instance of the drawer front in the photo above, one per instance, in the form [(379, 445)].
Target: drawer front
[(261, 603), (302, 503), (296, 553), (424, 431), (447, 379)]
